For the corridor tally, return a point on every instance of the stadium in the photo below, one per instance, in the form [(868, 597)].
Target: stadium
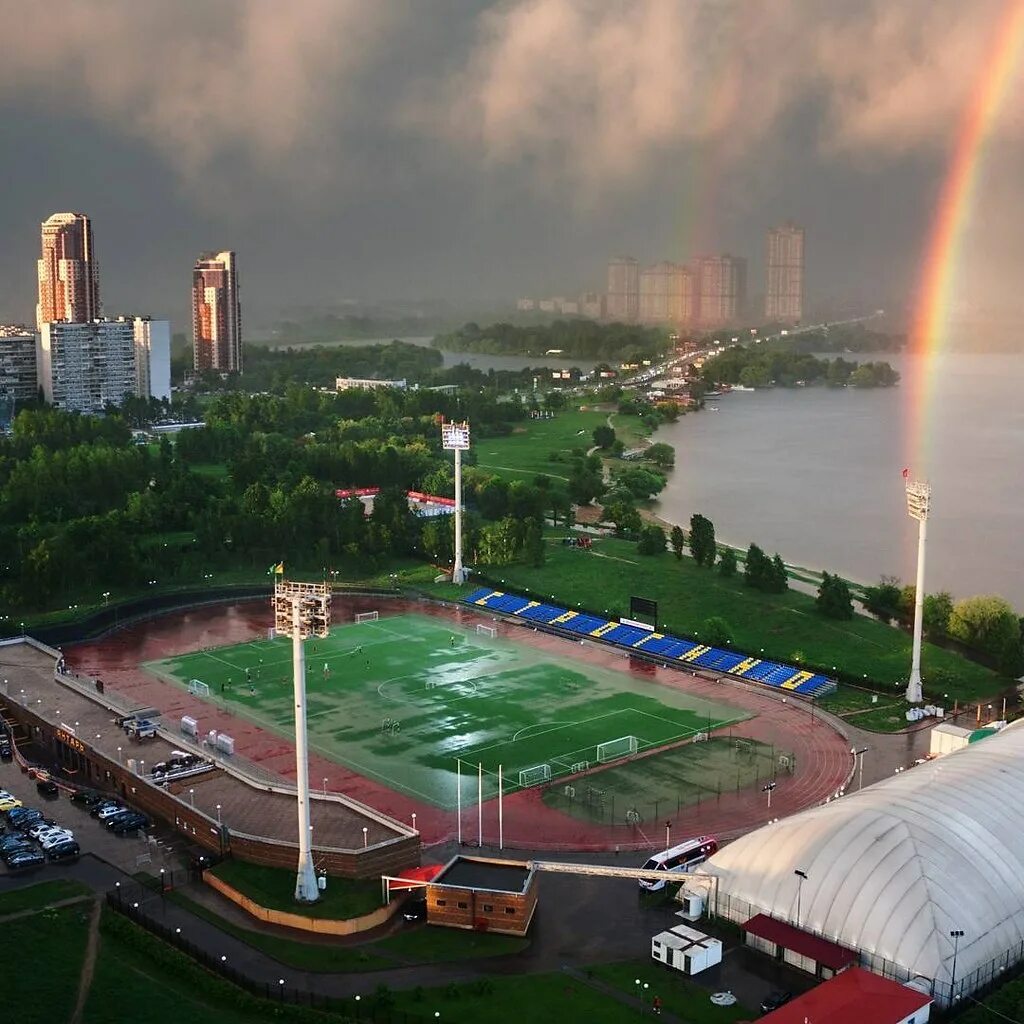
[(487, 720)]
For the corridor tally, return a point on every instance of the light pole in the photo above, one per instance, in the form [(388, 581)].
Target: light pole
[(956, 936), (455, 437), (860, 771), (919, 500), (325, 787), (218, 814), (641, 988), (802, 875), (767, 788), (192, 798)]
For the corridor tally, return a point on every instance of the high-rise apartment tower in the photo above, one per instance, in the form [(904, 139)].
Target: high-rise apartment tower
[(216, 314), (721, 289), (623, 302), (69, 281), (666, 294), (784, 275)]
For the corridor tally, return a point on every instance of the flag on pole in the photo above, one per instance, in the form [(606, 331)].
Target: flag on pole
[(906, 473), (276, 570)]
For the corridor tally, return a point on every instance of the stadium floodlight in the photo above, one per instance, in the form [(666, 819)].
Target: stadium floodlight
[(302, 610), (455, 438), (919, 501)]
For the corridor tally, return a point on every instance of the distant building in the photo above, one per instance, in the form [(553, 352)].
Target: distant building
[(526, 305), (152, 357), (721, 289), (666, 294), (591, 304), (17, 370), (547, 306), (85, 367), (69, 282), (216, 314), (569, 308), (348, 383), (784, 275), (623, 301)]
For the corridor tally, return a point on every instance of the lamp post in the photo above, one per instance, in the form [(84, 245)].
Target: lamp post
[(919, 501), (859, 754), (956, 935), (218, 814), (767, 788), (325, 787), (641, 988), (192, 798), (802, 875)]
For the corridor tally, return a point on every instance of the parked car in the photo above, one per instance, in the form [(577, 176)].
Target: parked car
[(27, 819), (39, 827), (13, 841), (415, 909), (112, 819), (48, 788), (8, 803), (13, 848), (6, 750), (129, 824), (84, 796), (55, 839), (66, 850), (109, 811), (775, 1000), (24, 860)]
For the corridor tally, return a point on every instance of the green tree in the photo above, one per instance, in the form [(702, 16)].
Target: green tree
[(702, 540), (651, 541), (986, 623), (715, 631), (936, 613), (779, 576), (757, 569), (883, 600), (661, 454), (641, 483), (533, 543), (604, 436), (727, 563), (584, 485), (677, 541), (834, 600), (623, 515)]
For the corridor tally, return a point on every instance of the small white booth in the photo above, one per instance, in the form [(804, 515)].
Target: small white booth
[(686, 949), (946, 738)]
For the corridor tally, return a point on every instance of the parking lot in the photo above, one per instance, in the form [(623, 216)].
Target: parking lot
[(134, 849)]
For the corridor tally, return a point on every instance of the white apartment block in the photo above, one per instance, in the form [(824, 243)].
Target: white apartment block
[(83, 367), (152, 357)]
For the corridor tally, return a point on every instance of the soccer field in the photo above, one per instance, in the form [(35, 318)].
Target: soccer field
[(455, 695)]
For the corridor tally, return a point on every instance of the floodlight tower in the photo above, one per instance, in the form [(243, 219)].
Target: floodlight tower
[(302, 610), (919, 500), (455, 437)]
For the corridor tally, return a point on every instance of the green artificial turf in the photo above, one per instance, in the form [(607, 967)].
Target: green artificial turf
[(457, 696)]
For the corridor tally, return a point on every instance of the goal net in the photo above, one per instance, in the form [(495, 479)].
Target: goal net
[(198, 688), (367, 616), (482, 630), (271, 633), (622, 747), (532, 776)]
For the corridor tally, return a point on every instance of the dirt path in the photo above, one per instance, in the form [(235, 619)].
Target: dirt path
[(32, 911), (89, 963)]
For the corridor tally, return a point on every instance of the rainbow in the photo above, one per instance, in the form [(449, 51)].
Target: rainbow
[(929, 332)]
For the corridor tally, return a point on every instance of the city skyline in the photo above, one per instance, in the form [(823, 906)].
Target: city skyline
[(284, 161)]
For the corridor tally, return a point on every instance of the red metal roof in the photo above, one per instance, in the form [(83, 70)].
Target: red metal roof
[(427, 873), (820, 950), (854, 997)]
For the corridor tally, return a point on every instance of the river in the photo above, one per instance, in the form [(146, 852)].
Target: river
[(815, 474)]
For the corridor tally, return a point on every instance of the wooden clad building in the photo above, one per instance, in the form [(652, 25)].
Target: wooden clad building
[(485, 894)]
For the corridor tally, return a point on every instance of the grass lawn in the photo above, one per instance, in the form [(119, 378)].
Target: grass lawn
[(455, 694), (304, 956), (537, 998), (683, 998), (524, 453), (785, 626), (665, 783), (273, 887), (38, 896), (433, 944), (139, 977), (44, 955)]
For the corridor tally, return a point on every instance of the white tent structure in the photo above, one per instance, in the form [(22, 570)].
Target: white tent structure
[(893, 870)]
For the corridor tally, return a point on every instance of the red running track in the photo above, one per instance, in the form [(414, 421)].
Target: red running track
[(822, 754)]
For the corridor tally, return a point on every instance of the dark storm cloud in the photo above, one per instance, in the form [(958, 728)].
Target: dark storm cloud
[(477, 150)]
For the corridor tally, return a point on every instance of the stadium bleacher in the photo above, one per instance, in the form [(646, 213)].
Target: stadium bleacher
[(653, 644)]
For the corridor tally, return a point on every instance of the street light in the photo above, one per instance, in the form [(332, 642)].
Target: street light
[(366, 840), (192, 798), (802, 875), (218, 814), (325, 787), (956, 936), (767, 788), (859, 754), (641, 987)]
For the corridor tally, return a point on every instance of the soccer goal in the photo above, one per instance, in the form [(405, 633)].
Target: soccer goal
[(622, 747), (489, 631), (537, 774), (367, 616), (198, 688), (271, 633)]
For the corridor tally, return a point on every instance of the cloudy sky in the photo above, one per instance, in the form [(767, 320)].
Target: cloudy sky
[(474, 151)]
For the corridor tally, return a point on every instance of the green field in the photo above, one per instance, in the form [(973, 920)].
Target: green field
[(786, 627), (457, 697), (653, 788), (524, 453)]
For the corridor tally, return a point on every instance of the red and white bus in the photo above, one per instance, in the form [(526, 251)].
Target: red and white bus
[(681, 858)]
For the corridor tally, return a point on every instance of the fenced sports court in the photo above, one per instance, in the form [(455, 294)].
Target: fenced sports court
[(649, 790), (406, 700)]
